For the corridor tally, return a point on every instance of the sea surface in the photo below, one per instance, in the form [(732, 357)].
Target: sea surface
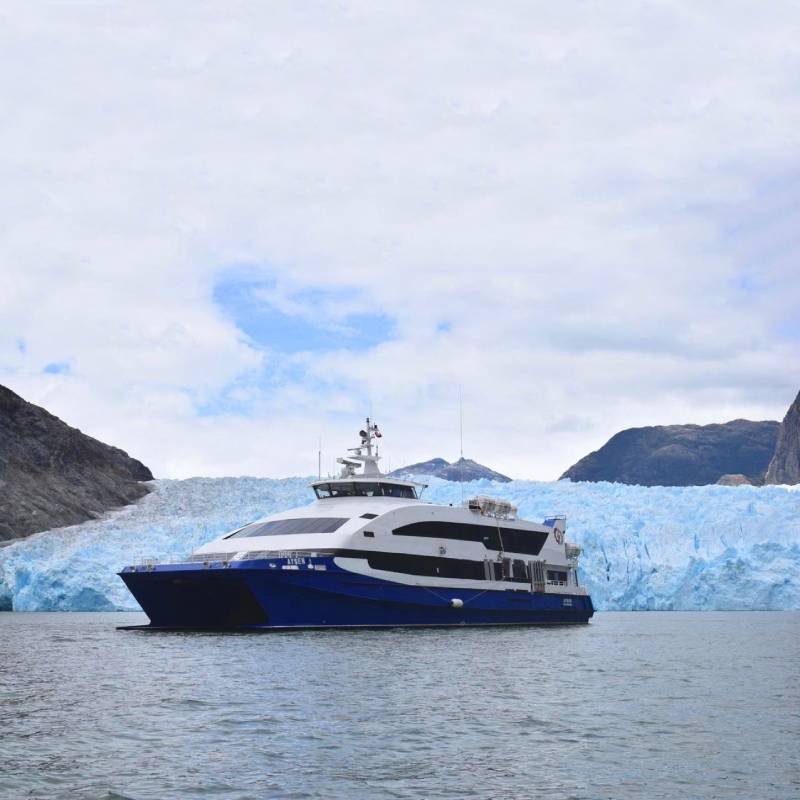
[(634, 705)]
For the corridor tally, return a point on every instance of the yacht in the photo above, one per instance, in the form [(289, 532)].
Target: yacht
[(369, 552)]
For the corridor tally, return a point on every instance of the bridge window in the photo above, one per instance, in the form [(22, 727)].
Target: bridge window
[(363, 489), (395, 490)]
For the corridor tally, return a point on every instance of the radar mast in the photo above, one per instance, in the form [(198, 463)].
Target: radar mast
[(363, 455)]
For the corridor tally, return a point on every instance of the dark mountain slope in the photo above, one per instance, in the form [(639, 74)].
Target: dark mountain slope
[(681, 455), (430, 467), (464, 470), (785, 464), (53, 475)]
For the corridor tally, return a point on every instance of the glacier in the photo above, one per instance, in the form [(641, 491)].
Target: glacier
[(660, 548)]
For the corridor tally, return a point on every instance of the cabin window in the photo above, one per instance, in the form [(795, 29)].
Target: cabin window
[(347, 490), (393, 490), (509, 540), (369, 534), (499, 573), (363, 489), (556, 576), (426, 565), (282, 527), (368, 516), (367, 489), (520, 570)]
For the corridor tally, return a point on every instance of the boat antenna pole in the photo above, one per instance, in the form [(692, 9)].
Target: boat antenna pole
[(461, 444), (319, 460)]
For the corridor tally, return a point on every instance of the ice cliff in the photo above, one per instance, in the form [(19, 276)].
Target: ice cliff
[(699, 547)]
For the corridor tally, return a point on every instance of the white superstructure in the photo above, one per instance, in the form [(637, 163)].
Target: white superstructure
[(377, 526)]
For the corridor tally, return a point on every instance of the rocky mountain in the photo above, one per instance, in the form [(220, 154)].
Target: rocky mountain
[(681, 455), (53, 475), (464, 470), (430, 467), (785, 464)]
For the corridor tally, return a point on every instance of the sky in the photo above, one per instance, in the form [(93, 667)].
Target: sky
[(229, 231)]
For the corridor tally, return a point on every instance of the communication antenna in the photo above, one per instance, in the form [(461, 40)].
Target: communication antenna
[(319, 460), (460, 422), (461, 444)]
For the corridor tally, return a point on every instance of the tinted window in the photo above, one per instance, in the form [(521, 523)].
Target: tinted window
[(355, 490), (359, 489), (392, 490), (281, 527), (513, 540), (342, 490), (347, 490), (426, 565), (520, 570)]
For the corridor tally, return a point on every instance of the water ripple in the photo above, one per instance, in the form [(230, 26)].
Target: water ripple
[(655, 705)]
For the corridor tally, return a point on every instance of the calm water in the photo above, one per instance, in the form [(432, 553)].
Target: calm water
[(687, 705)]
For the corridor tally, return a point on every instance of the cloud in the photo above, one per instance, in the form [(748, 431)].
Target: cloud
[(583, 215)]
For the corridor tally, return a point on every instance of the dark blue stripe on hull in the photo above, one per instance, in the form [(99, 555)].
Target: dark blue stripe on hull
[(251, 594)]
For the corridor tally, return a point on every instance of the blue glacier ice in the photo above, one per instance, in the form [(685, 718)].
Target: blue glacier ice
[(700, 547)]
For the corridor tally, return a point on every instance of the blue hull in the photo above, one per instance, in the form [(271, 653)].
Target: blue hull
[(275, 594)]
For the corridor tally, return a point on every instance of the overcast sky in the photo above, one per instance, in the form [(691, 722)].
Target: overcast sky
[(229, 229)]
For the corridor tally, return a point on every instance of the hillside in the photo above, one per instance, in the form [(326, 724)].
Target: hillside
[(53, 475), (681, 455), (785, 464), (464, 470)]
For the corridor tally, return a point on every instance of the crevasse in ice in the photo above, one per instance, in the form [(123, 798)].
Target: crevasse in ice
[(706, 547)]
